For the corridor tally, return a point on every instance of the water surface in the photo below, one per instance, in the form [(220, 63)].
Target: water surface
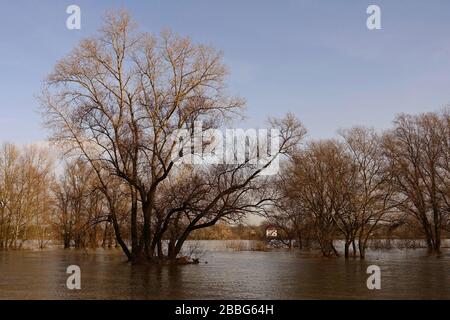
[(276, 274)]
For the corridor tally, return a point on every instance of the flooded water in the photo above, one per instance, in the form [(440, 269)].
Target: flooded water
[(276, 274)]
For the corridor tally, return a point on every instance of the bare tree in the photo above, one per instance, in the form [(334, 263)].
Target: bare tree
[(418, 150), (374, 192), (118, 100), (323, 183), (25, 203), (338, 189), (79, 206)]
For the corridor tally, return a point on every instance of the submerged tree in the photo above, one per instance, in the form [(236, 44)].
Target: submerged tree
[(374, 192), (419, 161), (80, 218), (322, 183), (25, 198), (118, 101), (337, 189)]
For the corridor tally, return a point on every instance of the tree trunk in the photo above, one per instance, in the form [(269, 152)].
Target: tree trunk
[(353, 248), (362, 249), (346, 248), (134, 232)]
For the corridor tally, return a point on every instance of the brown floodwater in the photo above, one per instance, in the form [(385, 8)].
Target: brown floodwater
[(276, 274)]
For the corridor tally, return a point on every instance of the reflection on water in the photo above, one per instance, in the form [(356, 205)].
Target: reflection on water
[(406, 274)]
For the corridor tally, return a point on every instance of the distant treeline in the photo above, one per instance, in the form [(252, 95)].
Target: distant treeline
[(223, 231)]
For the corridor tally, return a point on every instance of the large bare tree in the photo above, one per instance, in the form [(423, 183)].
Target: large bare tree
[(119, 99)]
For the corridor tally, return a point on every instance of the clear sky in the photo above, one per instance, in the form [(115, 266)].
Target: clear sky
[(314, 58)]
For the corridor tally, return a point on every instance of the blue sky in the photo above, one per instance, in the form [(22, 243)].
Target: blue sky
[(314, 58)]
